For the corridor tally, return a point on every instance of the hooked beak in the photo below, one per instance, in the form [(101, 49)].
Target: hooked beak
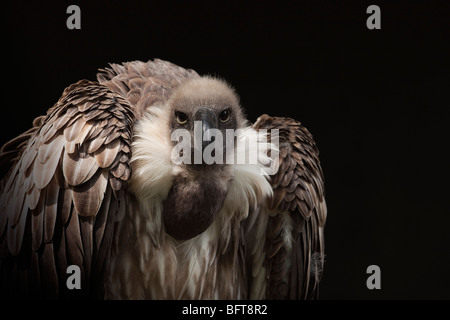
[(209, 121)]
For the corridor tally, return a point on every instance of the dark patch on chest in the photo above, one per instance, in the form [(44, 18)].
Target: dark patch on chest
[(192, 205)]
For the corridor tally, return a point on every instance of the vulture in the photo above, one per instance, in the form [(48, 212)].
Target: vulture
[(111, 195)]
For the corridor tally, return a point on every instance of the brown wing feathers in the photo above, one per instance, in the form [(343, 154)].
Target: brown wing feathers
[(55, 200), (294, 272)]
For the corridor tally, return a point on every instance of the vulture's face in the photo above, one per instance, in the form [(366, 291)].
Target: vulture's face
[(204, 112), (204, 115)]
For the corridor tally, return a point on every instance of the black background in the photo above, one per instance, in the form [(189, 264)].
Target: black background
[(375, 100)]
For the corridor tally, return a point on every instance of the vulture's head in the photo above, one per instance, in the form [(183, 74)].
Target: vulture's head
[(207, 109), (180, 154)]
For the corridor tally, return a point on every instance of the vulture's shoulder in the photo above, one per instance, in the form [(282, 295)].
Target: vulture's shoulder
[(144, 84), (297, 211)]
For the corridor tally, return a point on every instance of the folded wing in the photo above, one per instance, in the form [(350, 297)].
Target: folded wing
[(288, 264), (63, 191)]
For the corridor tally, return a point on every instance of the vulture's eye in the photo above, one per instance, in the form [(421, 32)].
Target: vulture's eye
[(224, 116), (181, 117)]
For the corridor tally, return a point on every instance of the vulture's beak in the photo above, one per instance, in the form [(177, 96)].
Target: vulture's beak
[(209, 121)]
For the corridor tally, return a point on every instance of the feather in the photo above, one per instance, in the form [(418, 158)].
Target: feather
[(64, 205), (273, 248), (73, 240), (95, 144), (287, 178), (33, 197), (87, 198), (11, 179), (48, 131), (18, 200), (277, 198), (107, 154), (84, 133), (106, 131), (51, 207), (113, 136), (288, 197), (72, 111), (124, 158), (83, 107), (61, 254), (28, 157), (86, 229), (60, 122), (105, 244), (59, 175), (15, 233), (119, 170), (37, 223), (43, 172), (49, 149), (116, 184), (304, 209), (101, 219), (78, 170), (75, 118), (113, 122), (126, 149)]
